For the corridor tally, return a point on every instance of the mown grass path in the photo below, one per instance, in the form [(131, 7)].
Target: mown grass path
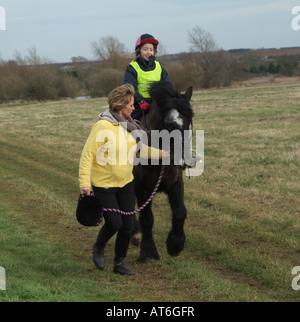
[(243, 225)]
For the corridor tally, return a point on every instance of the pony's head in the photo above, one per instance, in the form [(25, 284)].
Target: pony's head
[(175, 109), (175, 114)]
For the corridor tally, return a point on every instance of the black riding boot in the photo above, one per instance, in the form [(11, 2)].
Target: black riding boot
[(120, 268), (121, 248), (99, 246)]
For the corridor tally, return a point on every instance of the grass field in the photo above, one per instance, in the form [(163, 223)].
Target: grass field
[(243, 225)]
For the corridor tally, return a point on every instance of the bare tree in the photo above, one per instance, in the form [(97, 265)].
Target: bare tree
[(33, 58), (110, 51), (205, 48), (202, 41), (18, 58)]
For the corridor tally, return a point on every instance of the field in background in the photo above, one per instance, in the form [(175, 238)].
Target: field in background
[(243, 225)]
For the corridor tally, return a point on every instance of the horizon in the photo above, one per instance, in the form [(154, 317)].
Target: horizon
[(49, 62)]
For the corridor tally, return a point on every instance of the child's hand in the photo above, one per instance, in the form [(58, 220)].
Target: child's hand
[(144, 105)]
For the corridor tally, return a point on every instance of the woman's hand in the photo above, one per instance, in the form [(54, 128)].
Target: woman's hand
[(87, 191), (166, 157), (165, 154)]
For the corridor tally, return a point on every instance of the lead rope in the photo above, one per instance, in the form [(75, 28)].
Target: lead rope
[(146, 203)]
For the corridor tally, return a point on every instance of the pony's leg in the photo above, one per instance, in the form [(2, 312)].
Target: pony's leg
[(136, 236), (148, 248), (176, 237)]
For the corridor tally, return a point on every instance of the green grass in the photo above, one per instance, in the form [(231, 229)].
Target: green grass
[(40, 270), (243, 225)]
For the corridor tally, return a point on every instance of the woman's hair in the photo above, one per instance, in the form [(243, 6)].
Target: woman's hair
[(137, 52), (120, 97)]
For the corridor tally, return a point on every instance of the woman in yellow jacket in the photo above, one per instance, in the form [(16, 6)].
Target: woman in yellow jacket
[(106, 167)]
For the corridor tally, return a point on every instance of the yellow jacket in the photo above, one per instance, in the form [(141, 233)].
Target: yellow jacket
[(108, 155)]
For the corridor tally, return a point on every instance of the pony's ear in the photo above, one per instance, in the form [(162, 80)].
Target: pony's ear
[(188, 93)]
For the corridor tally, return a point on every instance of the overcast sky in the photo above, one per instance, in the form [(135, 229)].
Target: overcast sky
[(61, 29)]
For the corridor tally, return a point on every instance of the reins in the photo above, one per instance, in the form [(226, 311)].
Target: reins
[(146, 203), (145, 122)]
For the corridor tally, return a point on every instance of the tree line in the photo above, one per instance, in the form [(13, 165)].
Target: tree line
[(206, 65)]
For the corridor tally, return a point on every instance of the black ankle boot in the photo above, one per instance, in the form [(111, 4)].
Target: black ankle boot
[(120, 268), (98, 257), (99, 246)]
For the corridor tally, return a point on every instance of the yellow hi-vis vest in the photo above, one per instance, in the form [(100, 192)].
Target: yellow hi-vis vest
[(145, 79)]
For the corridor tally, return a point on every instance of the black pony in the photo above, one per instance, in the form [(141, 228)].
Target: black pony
[(170, 110)]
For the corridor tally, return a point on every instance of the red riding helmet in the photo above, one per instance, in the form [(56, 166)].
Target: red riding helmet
[(145, 39)]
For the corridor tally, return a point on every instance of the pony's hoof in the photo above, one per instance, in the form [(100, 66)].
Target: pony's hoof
[(175, 244), (136, 239), (148, 251), (144, 257)]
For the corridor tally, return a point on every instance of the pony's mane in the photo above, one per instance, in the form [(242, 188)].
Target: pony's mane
[(168, 97)]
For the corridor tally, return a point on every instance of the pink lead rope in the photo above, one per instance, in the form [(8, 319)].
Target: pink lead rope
[(146, 203)]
